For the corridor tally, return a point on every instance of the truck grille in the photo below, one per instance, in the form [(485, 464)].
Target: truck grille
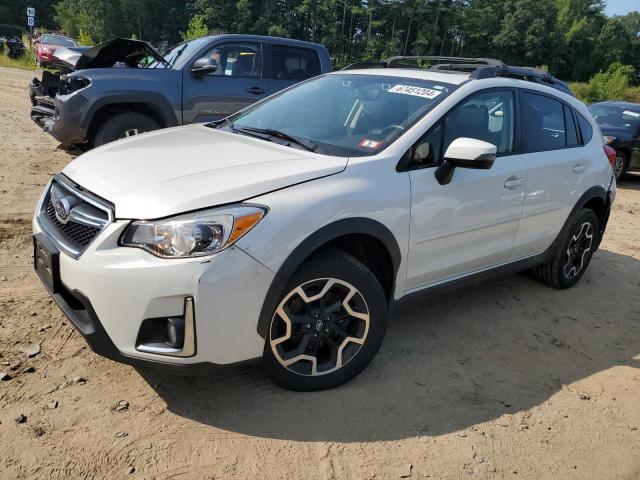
[(71, 216)]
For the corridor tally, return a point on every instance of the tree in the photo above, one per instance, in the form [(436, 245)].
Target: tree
[(197, 28)]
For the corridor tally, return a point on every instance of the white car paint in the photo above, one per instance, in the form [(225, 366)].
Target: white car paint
[(442, 231)]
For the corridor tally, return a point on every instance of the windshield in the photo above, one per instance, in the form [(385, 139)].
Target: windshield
[(345, 114), (61, 41), (179, 54), (617, 117)]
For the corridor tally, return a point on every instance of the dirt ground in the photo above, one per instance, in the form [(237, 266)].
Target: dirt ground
[(509, 379)]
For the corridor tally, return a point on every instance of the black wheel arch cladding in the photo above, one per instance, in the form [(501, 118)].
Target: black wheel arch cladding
[(315, 241)]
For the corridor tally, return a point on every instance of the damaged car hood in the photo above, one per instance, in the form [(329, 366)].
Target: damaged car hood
[(172, 171), (68, 56), (123, 50)]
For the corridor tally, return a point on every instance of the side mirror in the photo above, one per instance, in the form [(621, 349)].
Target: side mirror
[(465, 153), (204, 66)]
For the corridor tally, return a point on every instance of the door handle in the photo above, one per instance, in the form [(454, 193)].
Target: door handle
[(513, 182), (256, 90), (579, 167)]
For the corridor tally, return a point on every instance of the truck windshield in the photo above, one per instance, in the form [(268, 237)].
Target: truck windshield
[(180, 54), (344, 114)]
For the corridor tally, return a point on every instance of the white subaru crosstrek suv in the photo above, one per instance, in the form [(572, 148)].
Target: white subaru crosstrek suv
[(288, 231)]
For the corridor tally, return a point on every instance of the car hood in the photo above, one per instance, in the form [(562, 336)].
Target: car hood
[(621, 133), (69, 55), (124, 50), (177, 170)]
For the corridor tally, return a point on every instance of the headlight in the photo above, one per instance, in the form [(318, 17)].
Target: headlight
[(194, 234), (609, 140)]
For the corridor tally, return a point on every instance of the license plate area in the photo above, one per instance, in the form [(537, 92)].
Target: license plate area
[(46, 261)]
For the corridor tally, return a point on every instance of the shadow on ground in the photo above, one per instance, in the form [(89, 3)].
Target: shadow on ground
[(465, 358)]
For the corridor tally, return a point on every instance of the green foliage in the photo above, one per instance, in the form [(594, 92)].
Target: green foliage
[(27, 62), (197, 28), (85, 39), (614, 84)]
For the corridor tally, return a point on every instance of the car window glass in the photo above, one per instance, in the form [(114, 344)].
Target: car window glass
[(585, 129), (572, 133), (426, 151), (291, 63), (543, 119), (237, 59), (488, 116)]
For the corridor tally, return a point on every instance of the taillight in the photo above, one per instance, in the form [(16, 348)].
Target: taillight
[(611, 155)]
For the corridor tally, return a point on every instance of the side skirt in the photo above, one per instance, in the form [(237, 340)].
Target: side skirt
[(410, 299)]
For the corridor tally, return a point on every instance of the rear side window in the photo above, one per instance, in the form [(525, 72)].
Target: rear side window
[(293, 63), (585, 129), (572, 132), (544, 123)]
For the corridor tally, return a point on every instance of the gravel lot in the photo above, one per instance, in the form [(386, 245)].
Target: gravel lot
[(509, 379)]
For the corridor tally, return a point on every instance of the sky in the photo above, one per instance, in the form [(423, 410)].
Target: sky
[(621, 7)]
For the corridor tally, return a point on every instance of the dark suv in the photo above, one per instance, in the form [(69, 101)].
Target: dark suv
[(620, 125), (200, 80)]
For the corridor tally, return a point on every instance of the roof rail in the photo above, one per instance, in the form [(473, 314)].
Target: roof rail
[(478, 68)]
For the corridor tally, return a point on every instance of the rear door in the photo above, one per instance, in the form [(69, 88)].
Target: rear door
[(557, 164), (238, 82), (287, 65)]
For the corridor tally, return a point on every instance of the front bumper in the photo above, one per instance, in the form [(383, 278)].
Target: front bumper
[(59, 116), (110, 290)]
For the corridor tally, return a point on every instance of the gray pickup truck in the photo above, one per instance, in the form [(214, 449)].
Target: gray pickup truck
[(124, 87)]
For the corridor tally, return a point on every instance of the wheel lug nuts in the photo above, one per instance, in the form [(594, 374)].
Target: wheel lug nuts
[(308, 325)]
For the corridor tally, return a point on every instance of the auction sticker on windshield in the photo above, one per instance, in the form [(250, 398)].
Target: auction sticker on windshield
[(417, 91)]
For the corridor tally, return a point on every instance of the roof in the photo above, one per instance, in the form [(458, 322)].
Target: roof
[(450, 78), (619, 104)]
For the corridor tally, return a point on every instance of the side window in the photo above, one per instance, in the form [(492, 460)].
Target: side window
[(292, 63), (543, 121), (572, 132), (487, 116), (237, 59), (585, 129)]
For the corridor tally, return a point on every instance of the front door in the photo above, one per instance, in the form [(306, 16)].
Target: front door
[(237, 83), (469, 224)]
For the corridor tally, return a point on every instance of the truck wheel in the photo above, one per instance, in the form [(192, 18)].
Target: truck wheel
[(329, 324), (574, 253), (123, 125)]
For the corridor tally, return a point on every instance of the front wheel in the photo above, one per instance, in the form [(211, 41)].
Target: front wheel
[(123, 125), (329, 324), (574, 254)]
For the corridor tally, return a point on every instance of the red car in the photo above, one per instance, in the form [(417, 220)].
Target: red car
[(47, 44)]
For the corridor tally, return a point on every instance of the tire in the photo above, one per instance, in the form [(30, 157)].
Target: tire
[(574, 254), (122, 125), (621, 165), (322, 327)]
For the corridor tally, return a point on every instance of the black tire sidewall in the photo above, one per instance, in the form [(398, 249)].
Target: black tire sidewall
[(583, 216), (340, 265), (113, 128)]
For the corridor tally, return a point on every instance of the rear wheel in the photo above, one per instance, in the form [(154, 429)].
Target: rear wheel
[(123, 125), (329, 324), (621, 164), (574, 254)]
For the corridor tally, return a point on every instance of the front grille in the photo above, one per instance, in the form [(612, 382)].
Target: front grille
[(80, 234), (80, 218)]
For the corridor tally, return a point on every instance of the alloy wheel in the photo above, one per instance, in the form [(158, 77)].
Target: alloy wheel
[(619, 165), (578, 250), (319, 327)]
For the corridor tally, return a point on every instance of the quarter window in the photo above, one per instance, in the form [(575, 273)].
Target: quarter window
[(291, 63), (237, 59), (585, 129), (544, 124)]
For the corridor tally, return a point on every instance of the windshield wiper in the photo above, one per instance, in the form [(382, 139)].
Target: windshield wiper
[(312, 147), (173, 61)]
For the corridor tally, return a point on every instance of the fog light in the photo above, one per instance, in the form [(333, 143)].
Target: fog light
[(174, 332)]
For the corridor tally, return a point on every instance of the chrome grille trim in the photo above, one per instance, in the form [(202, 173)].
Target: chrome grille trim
[(88, 215)]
